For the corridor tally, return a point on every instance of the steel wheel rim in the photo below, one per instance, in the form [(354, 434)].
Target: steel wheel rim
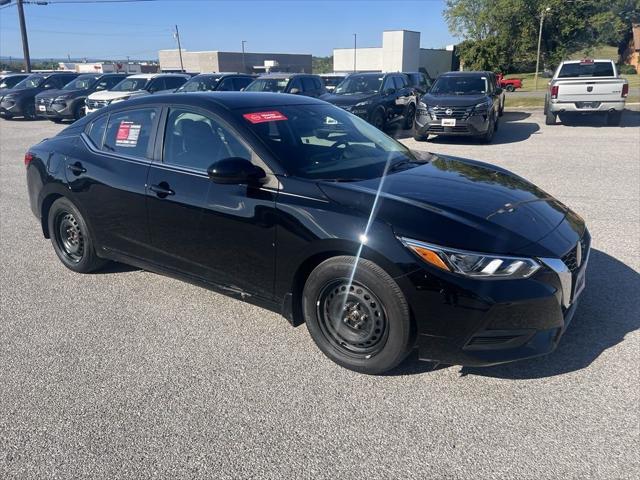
[(352, 318), (69, 236)]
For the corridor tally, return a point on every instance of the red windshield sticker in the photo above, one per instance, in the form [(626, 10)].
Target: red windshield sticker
[(261, 117)]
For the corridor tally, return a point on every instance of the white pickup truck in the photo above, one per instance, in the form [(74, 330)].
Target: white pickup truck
[(586, 86)]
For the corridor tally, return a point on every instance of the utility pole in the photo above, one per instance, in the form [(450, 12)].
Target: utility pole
[(244, 64), (355, 46), (177, 34), (25, 41), (548, 9)]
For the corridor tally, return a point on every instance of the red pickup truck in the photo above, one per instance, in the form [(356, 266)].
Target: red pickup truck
[(508, 84)]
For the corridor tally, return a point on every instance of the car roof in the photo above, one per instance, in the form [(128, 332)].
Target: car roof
[(464, 74), (228, 100), (286, 75)]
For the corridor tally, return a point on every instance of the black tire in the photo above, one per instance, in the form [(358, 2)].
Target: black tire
[(614, 118), (378, 120), (374, 335), (71, 238), (549, 117), (78, 111), (409, 116), (510, 88), (488, 137), (30, 111), (421, 137), (56, 120)]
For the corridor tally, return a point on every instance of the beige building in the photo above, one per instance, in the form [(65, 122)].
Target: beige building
[(400, 52), (248, 62)]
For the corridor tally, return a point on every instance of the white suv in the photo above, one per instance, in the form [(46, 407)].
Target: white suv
[(134, 86)]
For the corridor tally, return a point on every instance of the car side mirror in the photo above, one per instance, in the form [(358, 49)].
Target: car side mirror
[(100, 87), (236, 171), (294, 91)]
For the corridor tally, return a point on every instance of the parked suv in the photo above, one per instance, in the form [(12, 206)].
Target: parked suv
[(68, 103), (420, 81), (135, 86), (379, 98), (294, 83), (222, 82), (460, 103), (20, 100), (10, 80)]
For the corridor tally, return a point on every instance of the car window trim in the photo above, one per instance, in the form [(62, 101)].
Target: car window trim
[(162, 133)]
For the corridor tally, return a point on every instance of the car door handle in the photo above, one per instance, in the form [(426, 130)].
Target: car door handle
[(162, 189), (76, 168)]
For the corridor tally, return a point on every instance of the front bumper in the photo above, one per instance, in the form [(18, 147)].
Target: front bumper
[(462, 321), (54, 110), (586, 107), (472, 125), (10, 108)]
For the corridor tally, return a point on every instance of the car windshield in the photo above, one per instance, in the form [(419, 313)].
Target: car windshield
[(10, 82), (81, 83), (32, 81), (324, 142), (459, 85), (200, 84), (277, 85), (586, 69), (354, 84), (130, 85)]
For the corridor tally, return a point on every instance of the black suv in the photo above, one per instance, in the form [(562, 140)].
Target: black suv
[(420, 81), (294, 83), (10, 80), (221, 82), (20, 100), (379, 98), (460, 103), (68, 103)]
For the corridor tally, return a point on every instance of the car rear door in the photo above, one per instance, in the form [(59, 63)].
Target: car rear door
[(224, 234), (107, 174)]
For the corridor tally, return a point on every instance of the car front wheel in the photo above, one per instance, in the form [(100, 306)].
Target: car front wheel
[(357, 315), (71, 238)]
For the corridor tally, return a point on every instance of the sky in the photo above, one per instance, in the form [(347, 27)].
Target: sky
[(139, 30)]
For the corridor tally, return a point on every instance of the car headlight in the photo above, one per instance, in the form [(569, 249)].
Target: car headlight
[(473, 264), (61, 98), (483, 106), (421, 104), (366, 103), (116, 100)]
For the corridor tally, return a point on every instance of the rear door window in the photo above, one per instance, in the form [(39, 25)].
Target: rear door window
[(308, 84), (241, 82), (95, 130), (129, 132)]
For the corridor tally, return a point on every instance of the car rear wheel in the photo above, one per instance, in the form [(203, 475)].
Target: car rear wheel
[(550, 117), (71, 238), (510, 88), (357, 315), (409, 117), (614, 118)]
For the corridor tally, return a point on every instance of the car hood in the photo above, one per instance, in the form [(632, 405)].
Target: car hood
[(110, 95), (56, 93), (453, 100), (23, 92), (458, 203), (347, 100)]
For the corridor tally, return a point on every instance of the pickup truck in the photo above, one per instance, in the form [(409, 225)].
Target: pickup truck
[(586, 86)]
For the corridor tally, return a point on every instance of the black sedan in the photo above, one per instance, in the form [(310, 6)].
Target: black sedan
[(298, 206)]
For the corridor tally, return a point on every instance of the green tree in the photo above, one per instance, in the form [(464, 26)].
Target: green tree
[(322, 64)]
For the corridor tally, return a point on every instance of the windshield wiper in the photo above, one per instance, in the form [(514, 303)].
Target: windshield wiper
[(340, 179)]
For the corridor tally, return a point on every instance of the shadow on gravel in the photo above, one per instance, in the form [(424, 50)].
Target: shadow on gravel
[(630, 118), (608, 311), (510, 130)]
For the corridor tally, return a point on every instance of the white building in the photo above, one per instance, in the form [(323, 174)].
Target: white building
[(400, 52)]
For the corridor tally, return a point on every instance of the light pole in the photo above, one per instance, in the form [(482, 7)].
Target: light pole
[(177, 35), (548, 9), (244, 65), (355, 46)]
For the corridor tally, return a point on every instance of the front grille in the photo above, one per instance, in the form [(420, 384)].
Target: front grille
[(96, 103), (571, 258), (45, 101), (459, 113), (441, 129)]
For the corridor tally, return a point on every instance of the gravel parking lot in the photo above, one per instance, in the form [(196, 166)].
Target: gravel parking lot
[(128, 374)]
